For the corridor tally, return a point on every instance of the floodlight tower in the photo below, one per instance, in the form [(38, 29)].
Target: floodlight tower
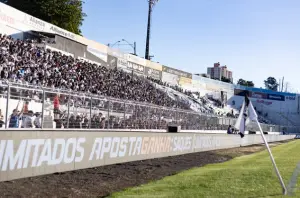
[(151, 5)]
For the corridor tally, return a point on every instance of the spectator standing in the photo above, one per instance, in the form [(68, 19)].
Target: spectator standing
[(1, 119), (229, 130), (15, 117), (27, 120), (37, 121)]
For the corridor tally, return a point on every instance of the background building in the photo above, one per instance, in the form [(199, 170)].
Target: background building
[(217, 72)]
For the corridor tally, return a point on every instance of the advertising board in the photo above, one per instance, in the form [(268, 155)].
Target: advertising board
[(153, 65), (137, 60), (112, 62), (258, 95), (34, 22), (276, 97), (122, 63), (185, 81), (62, 32), (170, 78), (7, 15), (153, 73), (177, 72), (138, 69), (33, 153)]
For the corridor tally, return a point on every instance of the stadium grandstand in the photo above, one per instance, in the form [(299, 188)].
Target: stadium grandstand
[(60, 80)]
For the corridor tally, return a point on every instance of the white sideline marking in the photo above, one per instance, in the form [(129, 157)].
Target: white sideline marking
[(293, 181)]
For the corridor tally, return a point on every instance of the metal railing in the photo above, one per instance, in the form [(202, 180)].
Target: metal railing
[(87, 111)]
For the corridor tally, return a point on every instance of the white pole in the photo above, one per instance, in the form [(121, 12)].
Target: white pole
[(272, 159)]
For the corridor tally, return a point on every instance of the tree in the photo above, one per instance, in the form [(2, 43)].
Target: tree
[(271, 84), (245, 83), (250, 84), (225, 79), (242, 82), (66, 14)]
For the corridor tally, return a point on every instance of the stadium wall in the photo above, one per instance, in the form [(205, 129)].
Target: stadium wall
[(33, 153)]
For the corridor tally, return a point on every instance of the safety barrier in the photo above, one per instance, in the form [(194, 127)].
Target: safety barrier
[(33, 153)]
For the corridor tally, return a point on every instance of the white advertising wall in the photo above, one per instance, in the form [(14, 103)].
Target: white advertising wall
[(136, 59), (170, 78), (279, 112), (33, 153)]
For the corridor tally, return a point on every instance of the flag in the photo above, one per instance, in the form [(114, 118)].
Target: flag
[(247, 114)]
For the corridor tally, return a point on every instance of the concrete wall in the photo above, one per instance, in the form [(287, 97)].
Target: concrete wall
[(33, 153)]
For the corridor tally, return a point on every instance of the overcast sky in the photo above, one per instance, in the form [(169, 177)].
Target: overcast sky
[(254, 38)]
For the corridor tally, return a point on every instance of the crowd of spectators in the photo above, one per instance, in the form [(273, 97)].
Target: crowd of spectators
[(24, 62), (175, 87), (132, 116)]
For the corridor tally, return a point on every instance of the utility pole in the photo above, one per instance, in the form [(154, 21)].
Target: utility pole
[(151, 5)]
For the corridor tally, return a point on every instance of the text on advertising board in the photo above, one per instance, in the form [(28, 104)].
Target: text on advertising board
[(290, 97), (62, 32), (6, 18), (153, 73), (122, 63), (37, 23), (37, 152), (258, 95), (177, 72), (240, 92), (276, 97), (136, 67)]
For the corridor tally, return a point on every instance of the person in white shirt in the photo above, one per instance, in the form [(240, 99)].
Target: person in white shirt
[(27, 120), (38, 121)]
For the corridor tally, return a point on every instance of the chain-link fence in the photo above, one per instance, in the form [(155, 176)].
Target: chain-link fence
[(30, 107)]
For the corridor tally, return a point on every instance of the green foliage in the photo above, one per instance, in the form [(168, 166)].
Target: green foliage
[(245, 83), (67, 14), (271, 84), (223, 79)]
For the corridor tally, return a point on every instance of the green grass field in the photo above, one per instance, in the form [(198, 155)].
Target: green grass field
[(247, 176)]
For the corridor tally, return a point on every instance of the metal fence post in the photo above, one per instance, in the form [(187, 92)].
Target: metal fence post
[(43, 109), (91, 106), (176, 116), (68, 116), (124, 112), (108, 115), (7, 104), (149, 112)]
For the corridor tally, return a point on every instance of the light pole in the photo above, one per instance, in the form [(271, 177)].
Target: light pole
[(132, 45), (113, 44), (151, 5), (127, 43)]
